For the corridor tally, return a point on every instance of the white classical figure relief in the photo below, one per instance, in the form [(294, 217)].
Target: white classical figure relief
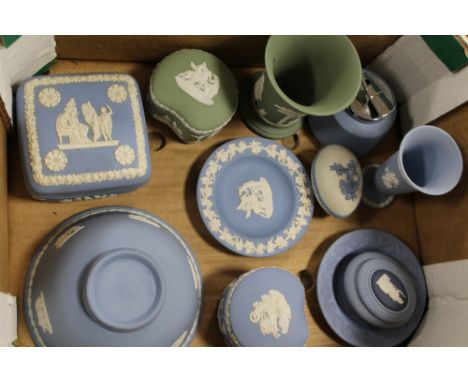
[(200, 83), (42, 315), (390, 179), (385, 284), (73, 134), (256, 196), (272, 313)]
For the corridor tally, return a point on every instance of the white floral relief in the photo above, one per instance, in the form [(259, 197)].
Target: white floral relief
[(385, 284), (42, 315), (390, 179), (272, 314), (256, 196), (49, 97), (55, 160), (280, 241), (290, 116), (117, 93), (124, 155), (199, 83), (258, 88)]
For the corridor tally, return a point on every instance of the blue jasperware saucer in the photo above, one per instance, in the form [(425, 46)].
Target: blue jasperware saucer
[(254, 197), (371, 289)]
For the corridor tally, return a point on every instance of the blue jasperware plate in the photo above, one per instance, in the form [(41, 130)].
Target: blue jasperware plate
[(254, 197), (332, 297)]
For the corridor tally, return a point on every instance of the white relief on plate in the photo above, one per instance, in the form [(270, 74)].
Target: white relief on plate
[(55, 160), (389, 179), (290, 116), (42, 315), (272, 313), (117, 93), (258, 88), (194, 273), (385, 284), (125, 155), (49, 97), (179, 341), (67, 235), (256, 196), (290, 233), (200, 83), (144, 219), (72, 134)]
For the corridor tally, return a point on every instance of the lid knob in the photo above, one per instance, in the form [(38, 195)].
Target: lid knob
[(123, 290)]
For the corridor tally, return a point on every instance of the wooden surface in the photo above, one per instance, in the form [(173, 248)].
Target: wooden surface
[(170, 194), (443, 220), (235, 50)]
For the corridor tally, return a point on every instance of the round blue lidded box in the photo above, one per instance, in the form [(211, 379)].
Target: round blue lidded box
[(337, 180), (264, 307), (82, 136), (113, 276)]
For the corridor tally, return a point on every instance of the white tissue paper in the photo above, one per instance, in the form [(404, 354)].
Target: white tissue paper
[(446, 321), (8, 319)]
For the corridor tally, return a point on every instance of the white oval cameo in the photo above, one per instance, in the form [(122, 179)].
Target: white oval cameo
[(385, 284), (272, 314), (256, 196), (199, 83)]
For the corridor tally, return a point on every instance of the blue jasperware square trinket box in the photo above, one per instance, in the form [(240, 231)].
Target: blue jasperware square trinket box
[(82, 136)]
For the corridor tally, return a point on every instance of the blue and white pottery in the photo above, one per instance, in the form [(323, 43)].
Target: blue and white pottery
[(358, 130), (82, 136), (428, 160), (371, 195), (371, 289), (337, 180), (264, 307), (113, 276), (254, 197)]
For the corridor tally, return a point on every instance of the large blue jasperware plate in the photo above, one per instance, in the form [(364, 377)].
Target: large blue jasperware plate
[(332, 297), (113, 276), (254, 197)]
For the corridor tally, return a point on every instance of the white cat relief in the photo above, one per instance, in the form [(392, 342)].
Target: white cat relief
[(200, 83), (385, 284), (272, 313), (42, 315), (256, 196)]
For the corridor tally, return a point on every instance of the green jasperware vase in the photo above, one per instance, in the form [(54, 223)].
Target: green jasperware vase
[(194, 93), (304, 75)]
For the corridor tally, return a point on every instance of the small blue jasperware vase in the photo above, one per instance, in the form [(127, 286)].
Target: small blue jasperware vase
[(428, 160)]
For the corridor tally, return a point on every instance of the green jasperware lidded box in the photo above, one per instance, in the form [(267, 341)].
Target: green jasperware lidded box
[(194, 93)]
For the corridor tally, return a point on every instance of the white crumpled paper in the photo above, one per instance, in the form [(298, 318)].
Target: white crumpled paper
[(8, 319)]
